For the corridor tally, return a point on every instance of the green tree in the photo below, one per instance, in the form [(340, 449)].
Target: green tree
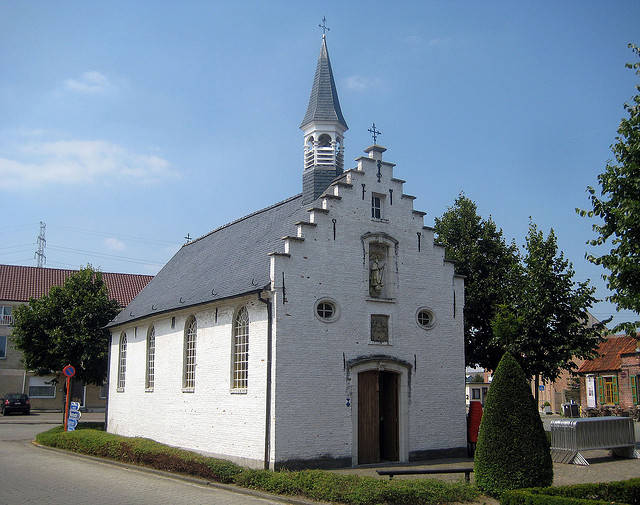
[(619, 208), (490, 266), (512, 450), (66, 327), (545, 329)]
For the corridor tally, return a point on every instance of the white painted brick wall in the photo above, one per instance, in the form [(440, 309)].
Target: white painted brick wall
[(211, 420), (310, 382)]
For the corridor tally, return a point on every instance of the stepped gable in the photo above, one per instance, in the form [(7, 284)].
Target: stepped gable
[(320, 211)]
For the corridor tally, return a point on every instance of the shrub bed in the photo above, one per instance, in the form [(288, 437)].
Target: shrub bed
[(622, 492), (314, 484)]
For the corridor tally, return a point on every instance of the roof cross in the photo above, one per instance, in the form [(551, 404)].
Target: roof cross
[(374, 133), (324, 26)]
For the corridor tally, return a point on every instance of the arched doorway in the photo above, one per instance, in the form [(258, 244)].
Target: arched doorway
[(380, 390), (378, 435)]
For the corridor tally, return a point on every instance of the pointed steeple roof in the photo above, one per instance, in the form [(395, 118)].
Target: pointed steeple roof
[(323, 102)]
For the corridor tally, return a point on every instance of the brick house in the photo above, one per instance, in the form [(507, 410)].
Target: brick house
[(323, 331), (18, 284), (611, 381)]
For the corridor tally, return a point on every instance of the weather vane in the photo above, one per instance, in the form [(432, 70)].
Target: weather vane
[(374, 133), (324, 26)]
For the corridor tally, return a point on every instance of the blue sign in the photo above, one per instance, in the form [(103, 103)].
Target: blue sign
[(541, 387), (74, 415)]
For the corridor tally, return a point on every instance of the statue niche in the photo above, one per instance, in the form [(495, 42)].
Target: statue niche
[(377, 266)]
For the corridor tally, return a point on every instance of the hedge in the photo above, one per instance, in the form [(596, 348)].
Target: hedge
[(315, 484), (621, 492)]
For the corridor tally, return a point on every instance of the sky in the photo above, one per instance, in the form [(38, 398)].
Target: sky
[(127, 126)]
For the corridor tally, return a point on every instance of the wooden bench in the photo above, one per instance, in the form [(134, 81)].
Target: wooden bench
[(466, 470)]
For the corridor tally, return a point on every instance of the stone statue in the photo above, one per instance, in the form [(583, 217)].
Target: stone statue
[(376, 275)]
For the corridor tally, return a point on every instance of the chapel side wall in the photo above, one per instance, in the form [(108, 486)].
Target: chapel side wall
[(314, 387), (212, 419)]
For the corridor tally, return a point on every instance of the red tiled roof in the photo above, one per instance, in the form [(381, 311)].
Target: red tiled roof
[(609, 354), (20, 283)]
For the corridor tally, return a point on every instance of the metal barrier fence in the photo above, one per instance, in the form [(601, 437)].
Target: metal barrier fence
[(570, 436)]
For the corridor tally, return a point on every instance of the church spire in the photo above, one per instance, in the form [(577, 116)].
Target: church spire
[(323, 126), (323, 102)]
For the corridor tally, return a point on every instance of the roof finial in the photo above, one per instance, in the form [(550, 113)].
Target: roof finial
[(324, 26), (374, 133)]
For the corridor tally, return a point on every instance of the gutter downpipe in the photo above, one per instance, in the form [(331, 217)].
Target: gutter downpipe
[(267, 427), (106, 405)]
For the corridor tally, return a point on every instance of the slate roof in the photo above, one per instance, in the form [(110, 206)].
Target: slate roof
[(227, 262), (20, 283), (323, 102), (609, 354)]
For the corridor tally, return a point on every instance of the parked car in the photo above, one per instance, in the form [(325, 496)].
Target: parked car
[(15, 402)]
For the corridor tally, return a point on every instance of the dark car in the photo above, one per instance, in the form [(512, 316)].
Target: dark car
[(15, 402)]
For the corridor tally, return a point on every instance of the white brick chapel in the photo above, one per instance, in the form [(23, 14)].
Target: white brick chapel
[(323, 331)]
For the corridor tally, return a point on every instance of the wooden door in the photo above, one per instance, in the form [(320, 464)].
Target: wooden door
[(378, 417), (368, 418)]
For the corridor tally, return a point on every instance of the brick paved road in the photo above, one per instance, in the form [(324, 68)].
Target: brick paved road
[(32, 475)]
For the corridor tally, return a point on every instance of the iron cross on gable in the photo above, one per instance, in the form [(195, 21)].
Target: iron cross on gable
[(324, 26), (374, 133)]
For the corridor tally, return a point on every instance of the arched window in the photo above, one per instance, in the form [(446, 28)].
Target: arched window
[(240, 375), (122, 361), (151, 359), (189, 362)]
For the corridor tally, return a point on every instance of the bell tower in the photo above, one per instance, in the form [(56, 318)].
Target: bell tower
[(323, 127)]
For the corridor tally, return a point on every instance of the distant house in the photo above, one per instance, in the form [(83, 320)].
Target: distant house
[(18, 284), (611, 381)]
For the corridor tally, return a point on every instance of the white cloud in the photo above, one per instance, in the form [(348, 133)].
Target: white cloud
[(114, 244), (362, 83), (90, 83), (73, 162)]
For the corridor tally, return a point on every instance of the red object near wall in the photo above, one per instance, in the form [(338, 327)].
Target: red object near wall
[(473, 421)]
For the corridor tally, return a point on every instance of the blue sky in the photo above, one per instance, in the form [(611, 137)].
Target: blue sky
[(126, 125)]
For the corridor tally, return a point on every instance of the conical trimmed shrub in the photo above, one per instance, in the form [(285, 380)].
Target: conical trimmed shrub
[(512, 451)]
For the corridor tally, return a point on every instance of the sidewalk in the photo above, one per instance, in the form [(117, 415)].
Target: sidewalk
[(48, 418), (602, 468)]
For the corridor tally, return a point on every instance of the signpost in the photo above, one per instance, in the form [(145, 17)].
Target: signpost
[(70, 424)]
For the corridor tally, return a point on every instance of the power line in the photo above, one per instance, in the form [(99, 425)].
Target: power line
[(107, 256), (17, 246), (117, 235)]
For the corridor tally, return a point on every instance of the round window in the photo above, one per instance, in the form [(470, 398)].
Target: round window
[(326, 310), (425, 318)]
